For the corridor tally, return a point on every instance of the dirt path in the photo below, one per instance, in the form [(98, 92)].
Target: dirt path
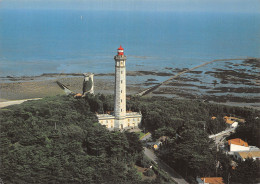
[(14, 102)]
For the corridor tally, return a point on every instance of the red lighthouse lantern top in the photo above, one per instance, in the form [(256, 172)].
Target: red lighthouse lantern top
[(120, 51)]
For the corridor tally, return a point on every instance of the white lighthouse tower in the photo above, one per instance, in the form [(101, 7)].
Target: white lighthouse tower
[(120, 119), (120, 89)]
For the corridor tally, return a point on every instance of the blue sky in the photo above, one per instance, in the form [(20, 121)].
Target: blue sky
[(243, 6)]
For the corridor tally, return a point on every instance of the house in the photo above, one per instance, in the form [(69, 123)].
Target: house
[(238, 145), (210, 180), (213, 117), (243, 155), (233, 121)]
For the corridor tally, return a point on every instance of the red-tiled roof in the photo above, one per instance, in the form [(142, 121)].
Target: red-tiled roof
[(234, 119), (238, 141), (249, 154), (228, 121), (78, 95), (213, 180)]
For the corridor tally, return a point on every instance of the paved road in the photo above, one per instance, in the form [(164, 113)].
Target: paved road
[(14, 102), (173, 174), (150, 154)]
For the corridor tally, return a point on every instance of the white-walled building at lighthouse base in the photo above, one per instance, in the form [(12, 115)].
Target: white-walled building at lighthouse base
[(131, 121)]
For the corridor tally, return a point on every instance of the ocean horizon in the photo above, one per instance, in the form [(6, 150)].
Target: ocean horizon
[(33, 42)]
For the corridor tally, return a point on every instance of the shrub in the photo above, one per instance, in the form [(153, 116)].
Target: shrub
[(149, 173)]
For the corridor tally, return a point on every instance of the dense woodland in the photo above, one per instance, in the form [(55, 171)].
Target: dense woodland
[(58, 140), (187, 123)]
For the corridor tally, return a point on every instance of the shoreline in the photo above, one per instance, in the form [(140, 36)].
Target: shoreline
[(20, 91), (46, 76), (225, 82)]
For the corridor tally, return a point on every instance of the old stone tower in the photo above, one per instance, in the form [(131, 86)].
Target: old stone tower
[(120, 119), (120, 88)]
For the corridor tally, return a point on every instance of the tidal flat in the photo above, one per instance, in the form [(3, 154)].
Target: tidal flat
[(232, 83)]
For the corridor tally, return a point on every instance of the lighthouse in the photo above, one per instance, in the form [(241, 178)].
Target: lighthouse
[(120, 119), (120, 88)]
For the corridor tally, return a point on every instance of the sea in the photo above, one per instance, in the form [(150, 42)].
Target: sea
[(37, 41)]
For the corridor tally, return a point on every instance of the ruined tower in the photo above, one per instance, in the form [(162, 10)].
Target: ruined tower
[(88, 83)]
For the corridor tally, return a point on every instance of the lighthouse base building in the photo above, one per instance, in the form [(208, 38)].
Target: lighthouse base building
[(131, 121), (120, 119)]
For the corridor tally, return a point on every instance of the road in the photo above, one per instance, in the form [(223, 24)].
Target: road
[(173, 174), (218, 137), (150, 154), (14, 102)]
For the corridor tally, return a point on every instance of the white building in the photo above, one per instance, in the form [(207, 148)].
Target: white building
[(120, 119), (238, 145)]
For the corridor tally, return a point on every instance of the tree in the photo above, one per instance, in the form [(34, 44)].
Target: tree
[(164, 131), (58, 140), (246, 172), (191, 153)]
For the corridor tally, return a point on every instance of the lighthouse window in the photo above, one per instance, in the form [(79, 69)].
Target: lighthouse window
[(121, 81), (121, 72), (121, 100), (121, 110), (121, 62), (121, 91)]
